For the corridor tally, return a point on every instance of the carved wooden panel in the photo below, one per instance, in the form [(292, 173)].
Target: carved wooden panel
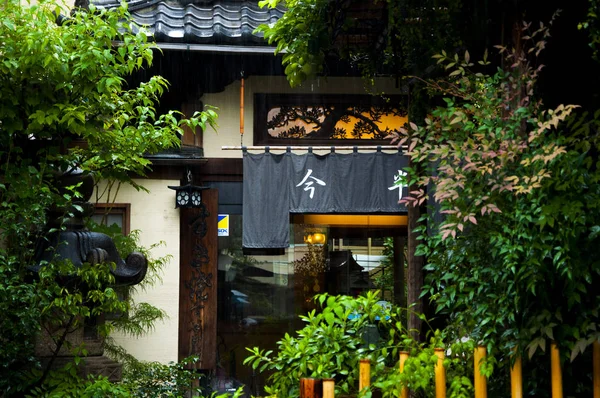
[(316, 119), (198, 282)]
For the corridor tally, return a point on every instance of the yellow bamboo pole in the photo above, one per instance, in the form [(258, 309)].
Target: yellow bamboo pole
[(480, 381), (403, 358), (328, 388), (242, 107), (364, 379), (516, 379), (440, 374), (557, 390), (596, 368)]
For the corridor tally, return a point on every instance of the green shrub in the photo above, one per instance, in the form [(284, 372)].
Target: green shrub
[(153, 379), (348, 329), (156, 380)]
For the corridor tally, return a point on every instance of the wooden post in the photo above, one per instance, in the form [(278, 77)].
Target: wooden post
[(403, 358), (310, 388), (364, 379), (480, 381), (414, 273), (516, 379), (596, 368), (198, 282), (328, 388), (399, 272), (440, 374), (557, 390), (242, 106)]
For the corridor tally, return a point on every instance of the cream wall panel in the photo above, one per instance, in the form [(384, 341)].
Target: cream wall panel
[(154, 215), (228, 102)]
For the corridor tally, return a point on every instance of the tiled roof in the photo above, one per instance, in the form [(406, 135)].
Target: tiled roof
[(221, 22)]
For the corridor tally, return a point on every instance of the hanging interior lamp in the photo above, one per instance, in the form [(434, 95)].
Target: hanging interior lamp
[(315, 237)]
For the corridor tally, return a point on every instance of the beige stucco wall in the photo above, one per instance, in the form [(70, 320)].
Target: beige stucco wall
[(228, 102), (154, 215)]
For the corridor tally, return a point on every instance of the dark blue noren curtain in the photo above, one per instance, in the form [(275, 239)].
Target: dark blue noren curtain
[(276, 185)]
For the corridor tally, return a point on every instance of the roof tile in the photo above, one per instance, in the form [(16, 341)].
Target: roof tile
[(200, 21)]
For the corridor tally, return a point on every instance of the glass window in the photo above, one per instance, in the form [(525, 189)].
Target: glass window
[(261, 296), (113, 213)]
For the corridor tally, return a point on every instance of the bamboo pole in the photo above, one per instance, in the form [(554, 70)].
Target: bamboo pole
[(596, 368), (440, 374), (516, 379), (310, 388), (316, 148), (242, 106), (328, 388), (480, 381), (557, 390), (364, 379), (403, 358)]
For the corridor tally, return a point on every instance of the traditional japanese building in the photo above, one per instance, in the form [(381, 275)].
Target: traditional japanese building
[(303, 208)]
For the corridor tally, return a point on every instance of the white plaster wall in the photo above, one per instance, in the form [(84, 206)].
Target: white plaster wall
[(228, 102), (153, 213)]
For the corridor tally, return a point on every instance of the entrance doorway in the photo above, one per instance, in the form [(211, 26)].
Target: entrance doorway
[(262, 294)]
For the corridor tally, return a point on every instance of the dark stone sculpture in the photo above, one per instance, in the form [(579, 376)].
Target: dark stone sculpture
[(79, 245), (73, 242)]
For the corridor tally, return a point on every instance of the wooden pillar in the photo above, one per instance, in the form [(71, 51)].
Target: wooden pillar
[(440, 374), (516, 379), (557, 389), (328, 388), (364, 378), (198, 282), (399, 272), (480, 381), (403, 358), (310, 388), (596, 367), (414, 275)]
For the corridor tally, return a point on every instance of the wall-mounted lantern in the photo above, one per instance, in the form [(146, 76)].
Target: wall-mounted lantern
[(188, 195)]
